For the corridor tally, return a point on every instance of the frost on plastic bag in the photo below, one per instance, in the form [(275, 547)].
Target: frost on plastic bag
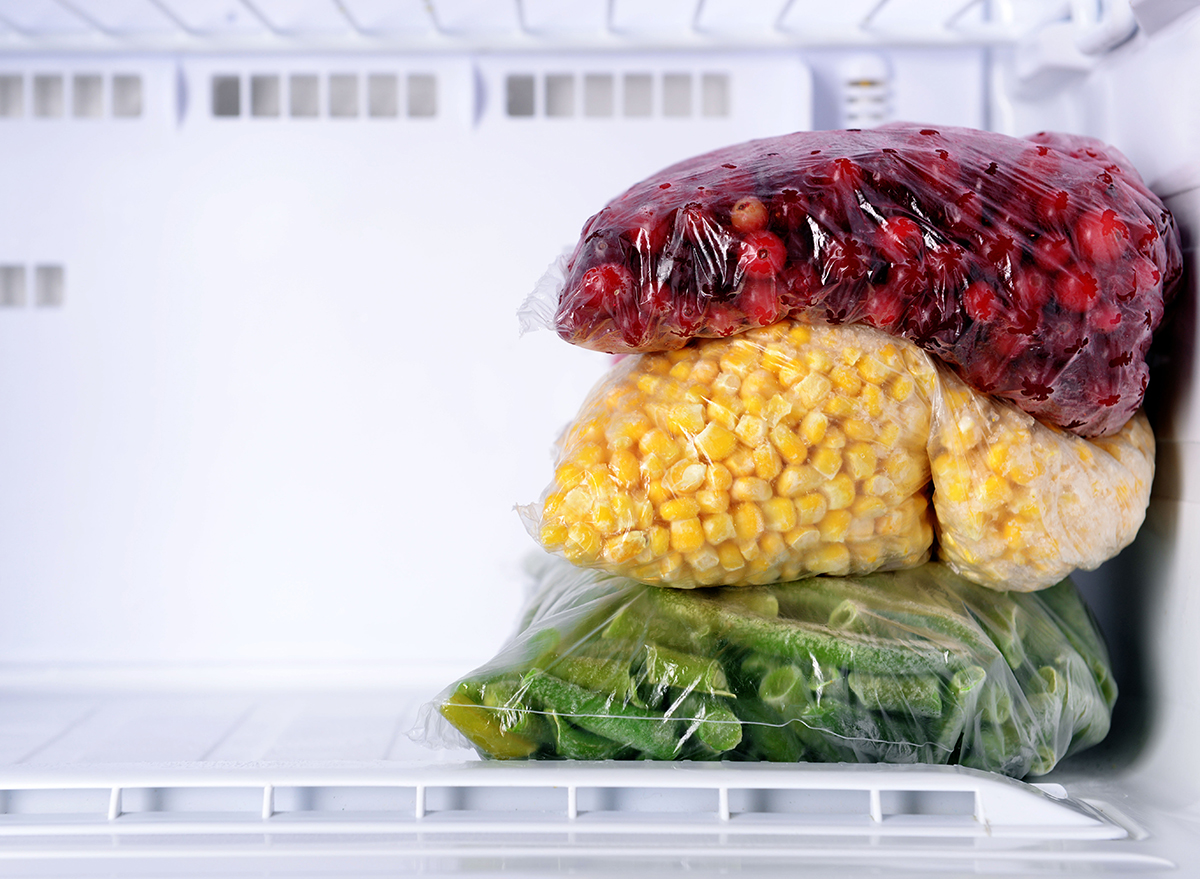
[(794, 450), (1036, 268), (916, 666)]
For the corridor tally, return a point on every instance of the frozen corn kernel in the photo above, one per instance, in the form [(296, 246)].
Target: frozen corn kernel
[(724, 462)]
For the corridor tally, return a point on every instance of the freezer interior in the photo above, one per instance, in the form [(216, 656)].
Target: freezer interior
[(266, 412)]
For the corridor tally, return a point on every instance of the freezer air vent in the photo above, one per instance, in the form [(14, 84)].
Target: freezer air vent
[(866, 91), (12, 96), (12, 286), (344, 95), (49, 286), (671, 95), (49, 99)]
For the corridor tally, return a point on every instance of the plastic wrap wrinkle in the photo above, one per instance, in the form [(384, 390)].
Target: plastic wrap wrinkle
[(917, 666), (1037, 268)]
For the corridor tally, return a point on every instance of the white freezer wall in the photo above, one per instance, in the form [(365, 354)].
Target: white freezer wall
[(282, 413)]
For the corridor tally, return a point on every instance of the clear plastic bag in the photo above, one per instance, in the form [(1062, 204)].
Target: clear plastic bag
[(1036, 268), (794, 450), (917, 666)]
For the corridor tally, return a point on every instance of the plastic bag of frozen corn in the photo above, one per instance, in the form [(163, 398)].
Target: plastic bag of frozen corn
[(903, 667), (797, 450)]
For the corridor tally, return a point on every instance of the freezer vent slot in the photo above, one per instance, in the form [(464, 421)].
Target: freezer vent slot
[(48, 286), (90, 97), (678, 95), (866, 91), (340, 95)]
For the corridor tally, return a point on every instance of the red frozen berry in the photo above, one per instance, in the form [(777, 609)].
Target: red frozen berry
[(1052, 252), (604, 285), (1101, 236), (981, 302), (883, 308), (760, 300), (762, 254), (1053, 207), (899, 239), (748, 215), (1076, 290)]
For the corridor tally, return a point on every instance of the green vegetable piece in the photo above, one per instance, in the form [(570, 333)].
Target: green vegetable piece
[(607, 677), (655, 735), (764, 735), (574, 743), (482, 727), (662, 666), (899, 694), (712, 721)]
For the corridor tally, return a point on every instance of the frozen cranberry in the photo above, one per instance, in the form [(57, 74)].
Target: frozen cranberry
[(899, 239), (1053, 208), (748, 215), (762, 254), (604, 285), (883, 308), (1101, 236), (1076, 290), (1031, 290), (759, 300), (1052, 252), (981, 302)]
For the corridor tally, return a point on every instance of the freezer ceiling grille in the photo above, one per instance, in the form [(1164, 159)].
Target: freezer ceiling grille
[(262, 23), (91, 97)]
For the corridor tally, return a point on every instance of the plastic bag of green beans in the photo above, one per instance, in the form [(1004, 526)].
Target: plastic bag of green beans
[(916, 666)]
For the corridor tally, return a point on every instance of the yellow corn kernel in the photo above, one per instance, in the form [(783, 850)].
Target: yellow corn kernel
[(697, 395), (751, 429), (792, 372), (867, 553), (894, 523), (749, 549), (622, 508), (569, 475), (687, 535), (901, 388), (553, 504), (838, 407), (624, 467), (811, 508), (800, 335), (889, 356), (720, 412), (860, 529), (718, 528), (846, 380), (675, 356), (731, 558), (604, 519), (767, 462), (773, 547), (648, 384), (868, 508), (775, 357), (716, 442), (817, 360), (578, 502), (684, 477), (779, 514), (1026, 471), (685, 418), (802, 538), (860, 459), (872, 371), (825, 461), (741, 462), (813, 427), (761, 384), (851, 355), (839, 491), (678, 508), (748, 521), (888, 434), (703, 559), (835, 525), (704, 371), (739, 358), (657, 493), (834, 438), (660, 540), (952, 478), (878, 486), (670, 565), (553, 536), (750, 488), (859, 430), (582, 544), (872, 400), (812, 390), (643, 511), (779, 411), (790, 447), (656, 442), (712, 501), (905, 473), (680, 371), (652, 467), (996, 455), (624, 547), (796, 480), (725, 386), (718, 478), (831, 559), (994, 491)]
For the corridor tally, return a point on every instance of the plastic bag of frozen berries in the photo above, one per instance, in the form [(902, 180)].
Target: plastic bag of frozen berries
[(1037, 269)]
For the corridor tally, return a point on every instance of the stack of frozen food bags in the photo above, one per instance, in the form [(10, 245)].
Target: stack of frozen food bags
[(883, 397)]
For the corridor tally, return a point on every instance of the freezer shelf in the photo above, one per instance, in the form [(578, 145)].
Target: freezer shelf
[(146, 775)]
